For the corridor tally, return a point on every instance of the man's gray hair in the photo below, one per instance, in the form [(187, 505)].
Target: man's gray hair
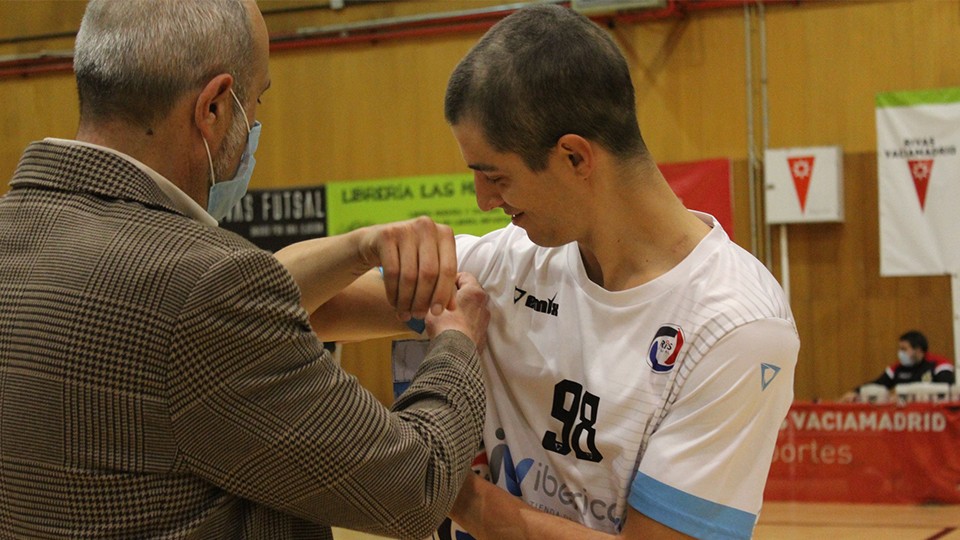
[(134, 59)]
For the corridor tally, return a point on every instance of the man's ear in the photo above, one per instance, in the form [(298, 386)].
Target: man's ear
[(578, 152), (212, 111)]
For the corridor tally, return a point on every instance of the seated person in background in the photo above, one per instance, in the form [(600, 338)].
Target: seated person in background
[(913, 364)]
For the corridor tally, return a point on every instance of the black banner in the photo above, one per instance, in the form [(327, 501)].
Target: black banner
[(274, 218)]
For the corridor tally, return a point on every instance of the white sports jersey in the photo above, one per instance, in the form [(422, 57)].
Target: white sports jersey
[(667, 396)]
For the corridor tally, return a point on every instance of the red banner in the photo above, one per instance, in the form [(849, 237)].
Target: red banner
[(863, 453), (703, 186)]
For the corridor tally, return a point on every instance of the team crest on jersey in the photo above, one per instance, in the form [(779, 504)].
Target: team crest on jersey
[(665, 348)]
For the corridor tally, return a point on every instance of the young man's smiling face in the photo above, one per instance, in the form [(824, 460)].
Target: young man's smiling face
[(541, 202)]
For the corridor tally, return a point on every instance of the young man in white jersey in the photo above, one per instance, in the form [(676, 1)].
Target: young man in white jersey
[(638, 363)]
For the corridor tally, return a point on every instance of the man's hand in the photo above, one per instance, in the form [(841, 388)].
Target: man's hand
[(468, 314), (850, 397), (419, 262)]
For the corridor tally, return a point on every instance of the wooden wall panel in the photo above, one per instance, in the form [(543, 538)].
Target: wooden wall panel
[(369, 361), (358, 112), (31, 109), (287, 16), (375, 110), (23, 18), (690, 85), (828, 60), (848, 316)]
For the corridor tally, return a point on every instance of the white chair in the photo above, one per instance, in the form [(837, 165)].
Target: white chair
[(923, 392), (874, 393)]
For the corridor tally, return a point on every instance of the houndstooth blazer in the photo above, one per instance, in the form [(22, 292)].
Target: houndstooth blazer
[(159, 379)]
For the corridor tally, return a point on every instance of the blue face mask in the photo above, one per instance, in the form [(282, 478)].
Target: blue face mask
[(905, 359), (226, 194)]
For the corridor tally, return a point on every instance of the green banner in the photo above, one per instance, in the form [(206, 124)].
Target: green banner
[(447, 198), (910, 98)]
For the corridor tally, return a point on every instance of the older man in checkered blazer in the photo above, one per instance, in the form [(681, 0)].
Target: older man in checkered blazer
[(159, 377)]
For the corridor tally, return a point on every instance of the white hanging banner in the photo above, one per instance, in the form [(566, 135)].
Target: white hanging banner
[(803, 185), (918, 170)]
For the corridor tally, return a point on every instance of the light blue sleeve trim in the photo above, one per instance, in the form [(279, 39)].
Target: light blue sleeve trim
[(688, 513), (417, 325)]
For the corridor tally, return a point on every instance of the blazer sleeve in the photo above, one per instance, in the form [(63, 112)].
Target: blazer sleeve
[(261, 410)]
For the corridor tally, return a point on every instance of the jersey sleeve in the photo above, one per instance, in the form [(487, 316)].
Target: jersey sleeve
[(705, 467), (478, 254)]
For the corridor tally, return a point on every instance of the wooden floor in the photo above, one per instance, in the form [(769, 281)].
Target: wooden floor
[(806, 521), (795, 521)]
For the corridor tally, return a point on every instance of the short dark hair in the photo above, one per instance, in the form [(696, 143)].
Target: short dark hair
[(540, 73), (915, 339)]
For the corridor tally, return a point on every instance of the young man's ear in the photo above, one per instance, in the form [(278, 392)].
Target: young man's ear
[(578, 152)]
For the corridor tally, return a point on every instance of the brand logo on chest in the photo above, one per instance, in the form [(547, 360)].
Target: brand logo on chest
[(550, 307)]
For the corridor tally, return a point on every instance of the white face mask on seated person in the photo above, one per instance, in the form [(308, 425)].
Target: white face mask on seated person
[(905, 359), (226, 194)]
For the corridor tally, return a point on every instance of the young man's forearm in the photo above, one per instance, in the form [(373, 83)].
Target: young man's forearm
[(488, 512)]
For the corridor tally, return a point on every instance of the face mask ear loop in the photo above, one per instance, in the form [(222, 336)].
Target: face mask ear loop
[(213, 179), (242, 110)]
